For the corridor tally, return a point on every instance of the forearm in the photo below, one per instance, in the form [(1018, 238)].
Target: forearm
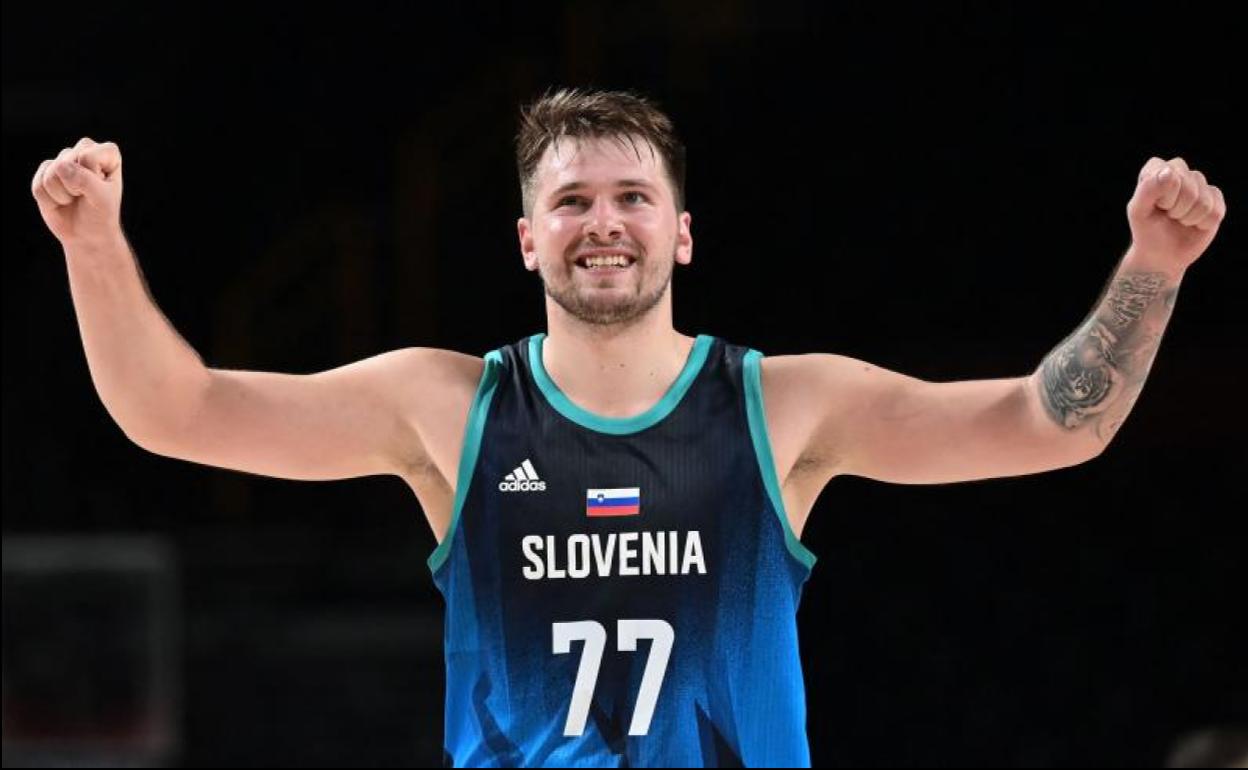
[(1089, 383), (148, 377)]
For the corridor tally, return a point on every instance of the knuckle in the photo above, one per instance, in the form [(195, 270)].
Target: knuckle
[(1150, 167), (36, 182)]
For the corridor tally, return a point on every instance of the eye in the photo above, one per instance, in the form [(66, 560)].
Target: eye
[(578, 199)]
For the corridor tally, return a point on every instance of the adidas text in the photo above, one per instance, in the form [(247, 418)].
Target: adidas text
[(522, 486)]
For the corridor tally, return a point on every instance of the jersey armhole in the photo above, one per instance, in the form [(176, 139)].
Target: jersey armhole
[(757, 418), (468, 453)]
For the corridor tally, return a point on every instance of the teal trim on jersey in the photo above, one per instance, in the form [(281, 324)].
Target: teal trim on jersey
[(762, 449), (471, 448), (617, 425)]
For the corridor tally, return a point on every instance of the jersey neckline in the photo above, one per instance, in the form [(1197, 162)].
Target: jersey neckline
[(617, 425)]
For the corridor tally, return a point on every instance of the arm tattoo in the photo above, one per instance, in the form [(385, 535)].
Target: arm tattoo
[(1092, 379)]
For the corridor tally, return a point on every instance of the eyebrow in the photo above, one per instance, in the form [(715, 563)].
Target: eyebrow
[(577, 184)]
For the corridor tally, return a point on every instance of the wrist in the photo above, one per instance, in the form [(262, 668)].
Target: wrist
[(1143, 261), (101, 246)]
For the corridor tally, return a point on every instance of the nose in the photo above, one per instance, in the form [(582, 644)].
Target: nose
[(603, 221)]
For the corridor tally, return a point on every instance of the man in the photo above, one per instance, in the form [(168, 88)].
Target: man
[(617, 506)]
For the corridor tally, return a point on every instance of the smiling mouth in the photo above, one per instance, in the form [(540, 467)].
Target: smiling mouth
[(582, 262)]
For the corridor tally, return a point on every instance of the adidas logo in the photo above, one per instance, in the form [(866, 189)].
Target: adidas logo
[(522, 479)]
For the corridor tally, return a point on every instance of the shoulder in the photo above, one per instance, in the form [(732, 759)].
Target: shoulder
[(795, 392), (812, 400), (817, 375), (799, 377), (435, 388), (434, 366), (429, 379), (796, 388), (431, 388)]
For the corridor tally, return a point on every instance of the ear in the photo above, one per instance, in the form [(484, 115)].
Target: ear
[(684, 238), (528, 246)]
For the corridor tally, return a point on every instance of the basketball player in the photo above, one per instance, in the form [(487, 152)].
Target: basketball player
[(618, 505)]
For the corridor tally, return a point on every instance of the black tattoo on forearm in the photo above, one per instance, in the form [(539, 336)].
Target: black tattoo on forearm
[(1092, 379)]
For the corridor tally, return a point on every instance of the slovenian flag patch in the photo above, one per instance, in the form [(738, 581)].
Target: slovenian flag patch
[(625, 501)]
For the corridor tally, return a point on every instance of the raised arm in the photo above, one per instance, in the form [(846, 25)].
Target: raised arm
[(357, 420), (876, 423), (1089, 383)]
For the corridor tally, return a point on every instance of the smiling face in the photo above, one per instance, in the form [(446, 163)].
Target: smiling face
[(597, 196)]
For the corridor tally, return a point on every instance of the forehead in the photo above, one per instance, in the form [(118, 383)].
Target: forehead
[(598, 160)]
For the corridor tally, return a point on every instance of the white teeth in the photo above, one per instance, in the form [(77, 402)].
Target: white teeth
[(617, 260)]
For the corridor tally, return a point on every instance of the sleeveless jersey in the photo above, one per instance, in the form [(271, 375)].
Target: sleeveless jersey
[(621, 591)]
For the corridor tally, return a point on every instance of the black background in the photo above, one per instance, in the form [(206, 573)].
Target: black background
[(940, 191)]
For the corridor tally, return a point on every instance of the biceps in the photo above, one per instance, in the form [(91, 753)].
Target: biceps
[(917, 432), (336, 424)]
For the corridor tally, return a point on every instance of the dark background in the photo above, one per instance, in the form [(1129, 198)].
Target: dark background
[(938, 191)]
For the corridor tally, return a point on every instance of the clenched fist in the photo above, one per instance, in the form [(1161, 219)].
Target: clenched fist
[(1173, 214), (79, 193)]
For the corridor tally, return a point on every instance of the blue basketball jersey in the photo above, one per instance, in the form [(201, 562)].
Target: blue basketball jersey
[(621, 591)]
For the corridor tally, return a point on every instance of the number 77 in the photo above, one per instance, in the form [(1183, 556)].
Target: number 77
[(595, 638)]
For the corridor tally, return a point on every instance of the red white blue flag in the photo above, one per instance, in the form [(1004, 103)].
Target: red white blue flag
[(625, 501)]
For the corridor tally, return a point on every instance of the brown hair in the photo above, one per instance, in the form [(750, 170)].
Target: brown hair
[(620, 115)]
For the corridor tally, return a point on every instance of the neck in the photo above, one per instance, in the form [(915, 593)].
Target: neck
[(610, 371)]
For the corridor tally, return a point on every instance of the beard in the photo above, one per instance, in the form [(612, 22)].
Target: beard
[(612, 307)]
